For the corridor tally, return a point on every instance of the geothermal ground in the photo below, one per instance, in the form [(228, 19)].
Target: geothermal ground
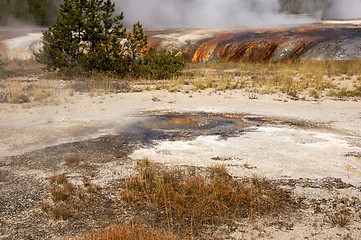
[(309, 146), (326, 40)]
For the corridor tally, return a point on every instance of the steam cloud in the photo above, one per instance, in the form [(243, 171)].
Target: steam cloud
[(342, 9), (203, 13), (224, 13)]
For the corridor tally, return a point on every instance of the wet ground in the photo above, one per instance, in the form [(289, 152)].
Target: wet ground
[(328, 40), (185, 126), (251, 146)]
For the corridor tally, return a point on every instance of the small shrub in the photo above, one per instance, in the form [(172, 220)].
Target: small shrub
[(253, 94), (174, 85), (14, 94), (158, 65)]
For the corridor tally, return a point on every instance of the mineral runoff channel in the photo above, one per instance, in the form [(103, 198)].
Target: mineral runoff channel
[(325, 40)]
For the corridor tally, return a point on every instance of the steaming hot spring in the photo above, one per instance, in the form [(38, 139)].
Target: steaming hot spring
[(325, 40)]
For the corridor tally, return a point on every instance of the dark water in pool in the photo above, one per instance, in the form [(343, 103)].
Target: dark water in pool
[(188, 126)]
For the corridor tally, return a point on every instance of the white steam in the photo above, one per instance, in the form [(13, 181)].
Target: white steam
[(346, 9), (204, 13), (224, 13)]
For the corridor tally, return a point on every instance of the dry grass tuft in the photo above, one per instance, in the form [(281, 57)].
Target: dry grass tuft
[(67, 200), (340, 218), (133, 231), (61, 212), (198, 83), (40, 93), (16, 95), (61, 191), (60, 188), (314, 93), (57, 179), (209, 79), (101, 84), (175, 85), (193, 200), (72, 160), (224, 82), (295, 79), (339, 214)]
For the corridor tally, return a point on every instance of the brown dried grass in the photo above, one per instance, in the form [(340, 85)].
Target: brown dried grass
[(191, 200), (291, 78), (132, 231)]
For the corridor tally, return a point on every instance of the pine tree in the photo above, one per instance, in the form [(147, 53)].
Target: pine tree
[(87, 38)]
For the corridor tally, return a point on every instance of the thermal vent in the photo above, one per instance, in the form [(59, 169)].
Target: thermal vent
[(339, 40)]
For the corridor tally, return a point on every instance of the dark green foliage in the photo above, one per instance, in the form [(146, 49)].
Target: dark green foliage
[(61, 45), (313, 7), (159, 65), (84, 39), (1, 63), (3, 72), (39, 12), (87, 38)]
